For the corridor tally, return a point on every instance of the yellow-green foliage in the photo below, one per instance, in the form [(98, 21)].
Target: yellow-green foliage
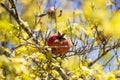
[(30, 62)]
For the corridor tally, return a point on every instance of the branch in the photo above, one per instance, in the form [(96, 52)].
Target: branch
[(108, 61), (97, 59), (13, 11), (17, 18), (62, 73), (117, 76), (13, 6), (105, 52)]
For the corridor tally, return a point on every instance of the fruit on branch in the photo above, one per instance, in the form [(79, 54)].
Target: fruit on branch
[(51, 12), (59, 43)]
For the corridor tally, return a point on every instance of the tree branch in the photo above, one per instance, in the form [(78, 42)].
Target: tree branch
[(13, 11), (18, 19), (62, 73), (105, 52)]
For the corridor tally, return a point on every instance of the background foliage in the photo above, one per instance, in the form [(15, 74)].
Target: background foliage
[(92, 25)]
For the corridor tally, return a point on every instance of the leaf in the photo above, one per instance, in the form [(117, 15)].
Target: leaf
[(3, 49), (42, 43), (110, 76), (25, 35), (111, 26), (73, 63), (5, 26), (37, 27), (4, 60), (8, 31), (106, 57), (77, 12), (119, 60), (49, 54), (20, 51), (92, 9)]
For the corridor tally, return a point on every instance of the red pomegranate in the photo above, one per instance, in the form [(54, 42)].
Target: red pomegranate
[(59, 43)]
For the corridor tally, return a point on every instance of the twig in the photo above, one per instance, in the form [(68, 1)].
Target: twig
[(105, 52), (13, 48), (108, 60), (14, 7), (62, 73), (13, 11), (99, 57), (18, 19), (117, 76)]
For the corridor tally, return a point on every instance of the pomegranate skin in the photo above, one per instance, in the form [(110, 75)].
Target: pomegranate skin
[(59, 46), (51, 40), (51, 12), (51, 9)]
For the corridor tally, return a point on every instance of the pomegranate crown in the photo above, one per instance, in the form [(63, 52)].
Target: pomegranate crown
[(60, 36)]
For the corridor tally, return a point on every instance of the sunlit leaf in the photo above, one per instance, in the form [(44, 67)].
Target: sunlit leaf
[(37, 27), (24, 35), (110, 76)]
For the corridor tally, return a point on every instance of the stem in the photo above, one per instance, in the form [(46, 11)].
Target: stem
[(62, 73)]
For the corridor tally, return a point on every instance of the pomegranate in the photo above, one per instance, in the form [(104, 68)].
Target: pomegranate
[(51, 12), (59, 43)]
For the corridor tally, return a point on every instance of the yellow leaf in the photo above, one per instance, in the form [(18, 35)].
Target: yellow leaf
[(20, 51), (110, 76), (76, 26), (37, 27), (25, 35), (78, 12), (119, 61), (73, 63), (111, 26), (18, 60), (49, 54), (5, 26), (42, 43), (3, 60)]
